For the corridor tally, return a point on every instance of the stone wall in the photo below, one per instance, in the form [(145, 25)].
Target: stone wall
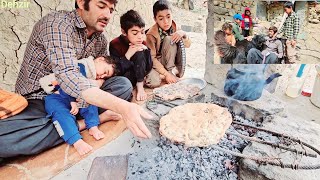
[(314, 13), (275, 11), (16, 26), (225, 9)]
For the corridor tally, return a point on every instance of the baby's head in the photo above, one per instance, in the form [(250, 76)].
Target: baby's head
[(105, 67), (227, 28)]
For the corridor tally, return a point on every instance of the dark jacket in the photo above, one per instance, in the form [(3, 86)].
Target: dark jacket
[(118, 48)]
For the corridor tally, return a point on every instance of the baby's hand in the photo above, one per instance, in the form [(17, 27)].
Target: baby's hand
[(100, 82), (74, 108)]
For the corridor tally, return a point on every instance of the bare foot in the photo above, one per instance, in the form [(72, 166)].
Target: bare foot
[(96, 133), (82, 147), (109, 115), (106, 116), (141, 94)]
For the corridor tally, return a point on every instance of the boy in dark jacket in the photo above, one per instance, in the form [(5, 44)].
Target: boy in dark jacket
[(133, 57)]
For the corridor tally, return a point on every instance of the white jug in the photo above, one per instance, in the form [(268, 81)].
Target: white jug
[(315, 97)]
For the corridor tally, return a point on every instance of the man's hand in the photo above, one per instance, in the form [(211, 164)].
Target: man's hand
[(249, 38), (177, 36), (170, 78), (133, 49), (74, 108), (293, 43), (132, 117)]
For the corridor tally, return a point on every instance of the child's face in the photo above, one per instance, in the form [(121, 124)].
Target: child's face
[(135, 35), (228, 31), (164, 19), (248, 13), (103, 69)]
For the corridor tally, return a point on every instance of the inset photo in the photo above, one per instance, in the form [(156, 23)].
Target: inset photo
[(264, 32)]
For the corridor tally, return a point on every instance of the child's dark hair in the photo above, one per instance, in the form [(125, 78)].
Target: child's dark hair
[(226, 26), (288, 4), (160, 6), (130, 19), (112, 61)]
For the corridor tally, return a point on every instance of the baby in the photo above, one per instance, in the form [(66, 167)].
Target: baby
[(63, 108), (227, 28)]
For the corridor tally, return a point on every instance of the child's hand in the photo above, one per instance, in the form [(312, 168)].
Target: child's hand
[(133, 49), (170, 78), (74, 108), (177, 36), (100, 82)]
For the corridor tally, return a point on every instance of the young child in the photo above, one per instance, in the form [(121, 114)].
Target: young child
[(62, 108), (227, 28), (133, 57), (246, 24), (161, 39)]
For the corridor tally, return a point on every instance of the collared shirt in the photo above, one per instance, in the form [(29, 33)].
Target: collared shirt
[(236, 30), (274, 45), (58, 40), (291, 27)]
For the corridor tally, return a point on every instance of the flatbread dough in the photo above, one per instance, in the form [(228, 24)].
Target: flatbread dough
[(196, 124), (176, 91)]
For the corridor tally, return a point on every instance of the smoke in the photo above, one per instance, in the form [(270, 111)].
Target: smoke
[(247, 84)]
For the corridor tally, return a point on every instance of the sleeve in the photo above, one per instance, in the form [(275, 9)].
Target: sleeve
[(123, 64), (237, 33), (151, 43), (296, 27), (57, 40)]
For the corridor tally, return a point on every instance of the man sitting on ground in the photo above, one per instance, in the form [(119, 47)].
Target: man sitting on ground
[(271, 54)]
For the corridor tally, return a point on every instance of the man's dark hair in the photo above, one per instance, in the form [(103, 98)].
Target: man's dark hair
[(274, 29), (160, 6), (86, 4), (226, 26), (130, 19), (288, 4)]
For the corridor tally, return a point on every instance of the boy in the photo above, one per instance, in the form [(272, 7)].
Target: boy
[(130, 50), (161, 39), (63, 109), (227, 28), (236, 30)]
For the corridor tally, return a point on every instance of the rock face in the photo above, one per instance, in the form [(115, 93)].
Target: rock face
[(16, 25), (224, 10)]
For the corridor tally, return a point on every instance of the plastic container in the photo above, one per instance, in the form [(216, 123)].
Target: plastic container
[(296, 83), (315, 97)]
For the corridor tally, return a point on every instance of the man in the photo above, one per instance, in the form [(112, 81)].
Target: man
[(271, 54), (236, 28), (58, 40), (290, 30)]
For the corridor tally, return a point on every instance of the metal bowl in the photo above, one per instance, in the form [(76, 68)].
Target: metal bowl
[(201, 83)]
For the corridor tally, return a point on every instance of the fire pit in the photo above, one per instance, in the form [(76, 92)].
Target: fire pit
[(168, 160)]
